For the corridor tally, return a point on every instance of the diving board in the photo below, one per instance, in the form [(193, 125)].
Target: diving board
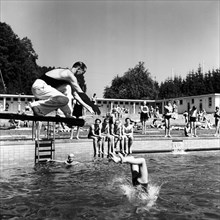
[(70, 121), (44, 148)]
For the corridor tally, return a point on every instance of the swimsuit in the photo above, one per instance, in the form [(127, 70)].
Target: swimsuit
[(135, 182), (55, 83), (96, 131), (192, 119), (144, 113)]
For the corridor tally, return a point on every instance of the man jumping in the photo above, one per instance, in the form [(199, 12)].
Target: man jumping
[(56, 89)]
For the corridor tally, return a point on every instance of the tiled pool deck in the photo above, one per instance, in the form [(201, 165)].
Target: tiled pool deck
[(21, 152)]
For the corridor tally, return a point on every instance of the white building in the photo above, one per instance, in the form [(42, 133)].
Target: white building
[(207, 102), (15, 103)]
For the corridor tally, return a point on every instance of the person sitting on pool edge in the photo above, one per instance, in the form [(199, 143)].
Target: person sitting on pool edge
[(139, 169), (69, 160)]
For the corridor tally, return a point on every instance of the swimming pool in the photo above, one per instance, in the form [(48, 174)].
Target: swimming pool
[(190, 189)]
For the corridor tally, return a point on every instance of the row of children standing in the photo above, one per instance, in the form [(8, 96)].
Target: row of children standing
[(114, 133)]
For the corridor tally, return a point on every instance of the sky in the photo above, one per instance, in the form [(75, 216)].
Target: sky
[(111, 37)]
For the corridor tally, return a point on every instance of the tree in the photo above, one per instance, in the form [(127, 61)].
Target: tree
[(195, 83), (17, 61), (136, 83)]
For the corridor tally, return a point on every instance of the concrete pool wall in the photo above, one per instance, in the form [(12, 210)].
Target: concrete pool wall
[(22, 153)]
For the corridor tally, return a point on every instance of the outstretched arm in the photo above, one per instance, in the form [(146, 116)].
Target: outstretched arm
[(57, 161), (73, 163), (77, 97)]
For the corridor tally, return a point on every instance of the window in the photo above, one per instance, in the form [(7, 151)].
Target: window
[(99, 102), (104, 102), (192, 101), (121, 103), (181, 102), (210, 102)]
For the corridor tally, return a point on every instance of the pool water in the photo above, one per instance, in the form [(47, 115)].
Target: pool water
[(183, 186)]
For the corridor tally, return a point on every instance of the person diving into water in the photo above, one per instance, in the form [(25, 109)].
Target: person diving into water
[(139, 169)]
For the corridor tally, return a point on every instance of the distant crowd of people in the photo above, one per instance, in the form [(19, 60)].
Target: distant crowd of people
[(193, 119), (198, 119)]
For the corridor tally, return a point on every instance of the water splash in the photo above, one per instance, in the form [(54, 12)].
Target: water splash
[(143, 200)]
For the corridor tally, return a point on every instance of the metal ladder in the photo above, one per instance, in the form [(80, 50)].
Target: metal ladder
[(45, 147)]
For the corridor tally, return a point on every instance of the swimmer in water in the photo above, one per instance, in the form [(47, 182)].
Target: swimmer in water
[(69, 160), (139, 170)]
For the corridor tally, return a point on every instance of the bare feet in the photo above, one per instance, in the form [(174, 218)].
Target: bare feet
[(114, 158)]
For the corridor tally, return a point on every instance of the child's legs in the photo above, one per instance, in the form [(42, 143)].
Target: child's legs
[(110, 144), (166, 126), (77, 131), (130, 142), (116, 140), (191, 127), (125, 144), (71, 133), (122, 145), (194, 128), (217, 127), (95, 145), (145, 126)]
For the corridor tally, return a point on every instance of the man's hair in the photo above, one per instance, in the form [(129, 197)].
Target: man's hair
[(80, 64)]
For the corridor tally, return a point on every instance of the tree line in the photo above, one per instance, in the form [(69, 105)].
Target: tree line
[(137, 83), (19, 69)]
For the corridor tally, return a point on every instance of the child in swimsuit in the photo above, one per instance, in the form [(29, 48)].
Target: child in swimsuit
[(144, 116), (168, 110), (193, 114), (217, 121), (106, 132), (118, 136), (127, 131), (95, 135)]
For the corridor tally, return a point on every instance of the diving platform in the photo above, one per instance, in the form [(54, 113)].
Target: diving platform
[(44, 148), (23, 117)]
